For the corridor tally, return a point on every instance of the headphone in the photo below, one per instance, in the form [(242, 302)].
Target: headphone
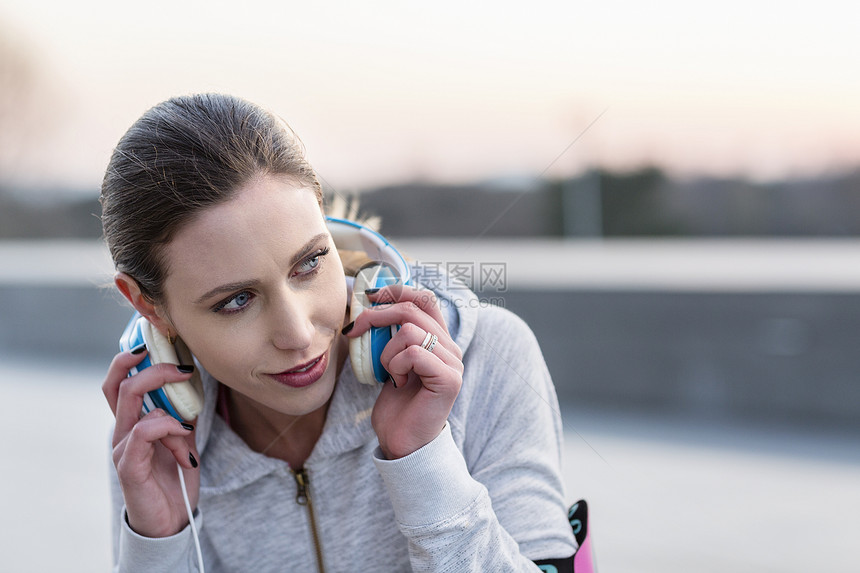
[(184, 400), (388, 268)]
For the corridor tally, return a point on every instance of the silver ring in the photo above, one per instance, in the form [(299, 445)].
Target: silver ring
[(427, 338), (433, 340)]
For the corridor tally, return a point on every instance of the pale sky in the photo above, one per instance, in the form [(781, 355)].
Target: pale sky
[(384, 91)]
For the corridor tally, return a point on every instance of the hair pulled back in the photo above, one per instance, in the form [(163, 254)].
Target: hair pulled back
[(182, 156)]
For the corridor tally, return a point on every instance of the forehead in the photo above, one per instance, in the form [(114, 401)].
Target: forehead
[(267, 219)]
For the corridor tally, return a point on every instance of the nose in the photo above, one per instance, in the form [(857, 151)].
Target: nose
[(290, 322)]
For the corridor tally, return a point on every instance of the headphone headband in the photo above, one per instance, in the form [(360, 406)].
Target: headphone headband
[(353, 236)]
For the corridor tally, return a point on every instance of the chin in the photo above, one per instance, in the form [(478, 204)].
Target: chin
[(308, 399)]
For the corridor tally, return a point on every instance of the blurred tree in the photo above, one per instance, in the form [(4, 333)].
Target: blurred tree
[(636, 204)]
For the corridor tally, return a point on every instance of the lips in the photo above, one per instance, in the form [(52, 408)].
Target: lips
[(306, 367), (304, 374)]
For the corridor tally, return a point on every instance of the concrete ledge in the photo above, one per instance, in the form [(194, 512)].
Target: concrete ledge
[(791, 265), (731, 265)]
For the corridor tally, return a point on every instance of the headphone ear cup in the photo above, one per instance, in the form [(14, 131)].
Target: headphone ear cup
[(159, 349), (360, 353), (365, 350), (186, 398)]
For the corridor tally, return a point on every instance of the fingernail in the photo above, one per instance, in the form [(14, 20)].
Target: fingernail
[(139, 348), (185, 368), (371, 291), (347, 328), (187, 426), (192, 460), (393, 383)]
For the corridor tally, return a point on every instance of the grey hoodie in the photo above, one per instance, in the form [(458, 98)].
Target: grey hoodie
[(485, 495)]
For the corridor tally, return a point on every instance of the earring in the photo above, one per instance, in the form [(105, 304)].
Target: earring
[(170, 338)]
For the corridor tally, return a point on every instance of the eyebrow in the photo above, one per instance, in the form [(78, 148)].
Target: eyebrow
[(233, 287)]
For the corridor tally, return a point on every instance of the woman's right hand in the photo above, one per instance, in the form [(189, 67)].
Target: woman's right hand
[(146, 450)]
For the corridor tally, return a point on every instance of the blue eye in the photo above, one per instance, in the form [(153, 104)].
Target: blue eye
[(235, 303), (311, 263)]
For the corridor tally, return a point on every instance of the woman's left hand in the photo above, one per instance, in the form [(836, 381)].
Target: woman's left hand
[(413, 410)]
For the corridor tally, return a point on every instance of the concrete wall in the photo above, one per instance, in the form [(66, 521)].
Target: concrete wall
[(790, 357)]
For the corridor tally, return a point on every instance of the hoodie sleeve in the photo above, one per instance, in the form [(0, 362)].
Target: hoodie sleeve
[(133, 552), (487, 494)]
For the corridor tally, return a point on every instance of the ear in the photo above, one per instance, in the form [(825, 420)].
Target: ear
[(131, 291)]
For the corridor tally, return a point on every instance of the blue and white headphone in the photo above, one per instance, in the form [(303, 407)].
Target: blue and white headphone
[(389, 267)]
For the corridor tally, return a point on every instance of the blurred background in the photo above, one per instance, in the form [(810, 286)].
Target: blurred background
[(667, 193)]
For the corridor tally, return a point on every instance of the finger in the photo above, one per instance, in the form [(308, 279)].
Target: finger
[(133, 454), (118, 371), (424, 299), (132, 389), (137, 449), (411, 334), (435, 375), (403, 313)]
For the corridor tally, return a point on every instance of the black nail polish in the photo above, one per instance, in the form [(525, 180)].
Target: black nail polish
[(371, 291), (139, 348), (347, 328), (188, 427), (185, 368), (192, 460)]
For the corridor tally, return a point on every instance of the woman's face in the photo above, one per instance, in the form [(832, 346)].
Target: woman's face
[(256, 290)]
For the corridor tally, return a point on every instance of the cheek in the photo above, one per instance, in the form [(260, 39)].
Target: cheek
[(333, 296), (223, 356), (333, 305)]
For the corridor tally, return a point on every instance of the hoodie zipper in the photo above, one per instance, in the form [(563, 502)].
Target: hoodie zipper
[(303, 497)]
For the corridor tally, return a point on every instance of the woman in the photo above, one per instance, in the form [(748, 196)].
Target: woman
[(215, 224)]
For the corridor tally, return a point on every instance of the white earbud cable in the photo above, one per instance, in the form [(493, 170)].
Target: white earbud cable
[(190, 517)]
